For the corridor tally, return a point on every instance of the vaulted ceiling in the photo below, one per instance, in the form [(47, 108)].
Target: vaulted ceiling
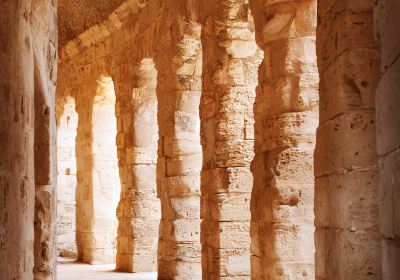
[(75, 16)]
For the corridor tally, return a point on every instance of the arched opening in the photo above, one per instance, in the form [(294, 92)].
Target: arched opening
[(66, 178), (98, 178)]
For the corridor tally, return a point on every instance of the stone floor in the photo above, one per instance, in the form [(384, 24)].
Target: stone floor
[(67, 269)]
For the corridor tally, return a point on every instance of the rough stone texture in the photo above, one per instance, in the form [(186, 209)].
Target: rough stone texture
[(179, 63), (286, 118), (230, 63), (27, 136), (97, 170), (76, 16), (66, 182), (387, 18), (44, 45), (180, 131), (98, 185), (168, 35), (139, 208), (346, 191)]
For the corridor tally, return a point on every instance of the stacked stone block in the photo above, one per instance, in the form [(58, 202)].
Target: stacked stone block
[(286, 118), (97, 167), (387, 28), (346, 190), (178, 61), (230, 63), (139, 208)]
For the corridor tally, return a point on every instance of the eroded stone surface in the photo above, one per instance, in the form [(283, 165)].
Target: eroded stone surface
[(388, 129), (179, 133), (286, 118), (230, 64), (346, 190), (27, 170)]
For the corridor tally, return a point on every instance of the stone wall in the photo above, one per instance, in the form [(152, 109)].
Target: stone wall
[(28, 76), (387, 19), (230, 64), (286, 118), (346, 191)]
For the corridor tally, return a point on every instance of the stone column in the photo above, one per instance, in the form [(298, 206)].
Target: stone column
[(139, 208), (230, 66), (387, 19), (346, 191), (17, 186), (45, 179), (98, 180), (84, 162), (286, 118), (178, 62)]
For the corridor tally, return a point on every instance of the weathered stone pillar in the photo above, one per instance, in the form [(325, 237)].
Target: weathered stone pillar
[(230, 66), (286, 118), (17, 140), (97, 168), (27, 56), (387, 17), (45, 179), (139, 208), (44, 28), (178, 62), (346, 191)]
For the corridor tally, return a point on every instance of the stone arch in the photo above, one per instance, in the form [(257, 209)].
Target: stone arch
[(139, 208)]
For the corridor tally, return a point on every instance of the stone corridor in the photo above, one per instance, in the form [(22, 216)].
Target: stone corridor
[(200, 139), (67, 269)]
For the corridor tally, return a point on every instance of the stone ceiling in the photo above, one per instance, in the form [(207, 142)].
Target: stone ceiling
[(75, 16)]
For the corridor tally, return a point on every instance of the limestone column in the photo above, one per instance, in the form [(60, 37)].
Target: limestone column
[(387, 16), (44, 30), (122, 77), (27, 96), (17, 186), (84, 211), (231, 59), (286, 118), (178, 62), (97, 169), (139, 208), (346, 191), (45, 179)]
